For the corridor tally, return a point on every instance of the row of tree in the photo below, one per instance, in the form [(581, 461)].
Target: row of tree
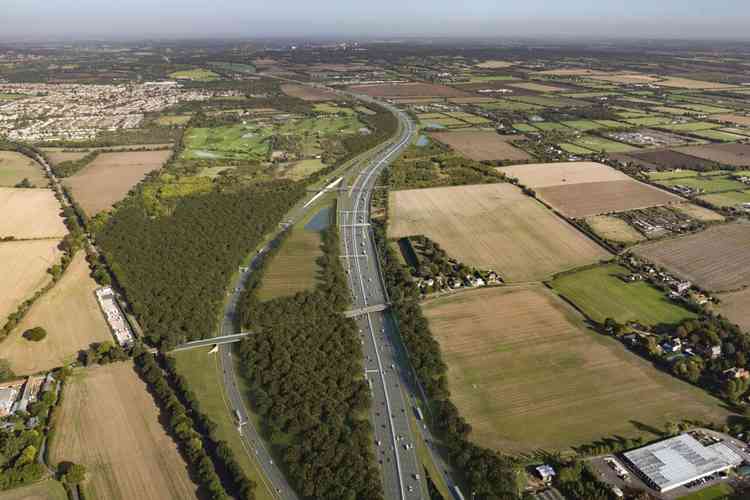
[(70, 167), (303, 367)]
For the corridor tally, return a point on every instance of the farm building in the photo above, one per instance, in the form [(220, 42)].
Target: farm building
[(671, 463)]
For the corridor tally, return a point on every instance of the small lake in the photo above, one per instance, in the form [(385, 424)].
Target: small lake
[(422, 141), (320, 220)]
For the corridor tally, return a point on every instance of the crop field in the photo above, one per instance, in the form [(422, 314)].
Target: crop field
[(108, 178), (668, 175), (537, 175), (536, 87), (549, 126), (23, 270), (698, 212), (30, 213), (715, 259), (14, 167), (709, 184), (649, 121), (584, 125), (737, 155), (736, 119), (596, 143), (735, 306), (173, 119), (690, 126), (70, 314), (408, 90), (614, 229), (112, 427), (672, 160), (511, 106), (600, 294), (307, 93), (536, 382), (59, 155), (553, 102), (195, 74), (495, 64), (574, 149), (719, 135), (482, 145), (727, 199), (293, 269), (48, 489), (688, 83), (492, 226), (625, 79)]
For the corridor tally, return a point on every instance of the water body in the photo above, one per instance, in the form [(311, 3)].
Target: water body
[(422, 141), (320, 220)]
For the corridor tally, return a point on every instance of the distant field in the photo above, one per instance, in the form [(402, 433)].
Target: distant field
[(719, 135), (494, 64), (408, 90), (110, 176), (595, 143), (70, 314), (614, 229), (649, 121), (728, 199), (111, 425), (737, 119), (538, 175), (737, 155), (699, 213), (506, 105), (690, 126), (548, 126), (735, 306), (710, 184), (482, 145), (48, 489), (672, 159), (574, 149), (173, 119), (14, 167), (30, 213), (536, 87), (23, 270), (601, 294), (527, 374), (492, 226), (196, 74), (687, 83), (294, 268), (715, 259), (307, 93), (583, 125)]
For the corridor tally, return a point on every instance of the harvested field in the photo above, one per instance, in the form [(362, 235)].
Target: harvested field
[(735, 306), (736, 155), (294, 268), (537, 175), (408, 90), (307, 93), (494, 64), (737, 119), (728, 199), (472, 100), (614, 229), (48, 489), (596, 198), (483, 145), (698, 213), (492, 226), (715, 259), (15, 167), (112, 427), (23, 271), (625, 79), (671, 160), (110, 176), (527, 374), (30, 213), (70, 314), (688, 83), (59, 155), (536, 87)]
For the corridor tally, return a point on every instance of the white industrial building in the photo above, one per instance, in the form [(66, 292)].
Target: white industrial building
[(671, 463)]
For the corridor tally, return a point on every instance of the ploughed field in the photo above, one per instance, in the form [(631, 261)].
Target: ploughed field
[(737, 155), (111, 425), (307, 93), (482, 145), (408, 90), (715, 259), (527, 374), (30, 213), (492, 226)]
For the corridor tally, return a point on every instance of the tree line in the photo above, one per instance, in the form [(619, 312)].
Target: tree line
[(303, 367)]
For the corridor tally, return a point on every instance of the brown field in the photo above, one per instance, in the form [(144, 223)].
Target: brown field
[(536, 87), (596, 198), (472, 100), (494, 64), (483, 145), (14, 167), (493, 226), (688, 83), (538, 175), (30, 213), (670, 160), (23, 270), (735, 306), (527, 374), (715, 259), (738, 119), (307, 93), (737, 155), (111, 425), (110, 176), (70, 314), (47, 489), (698, 212), (408, 90), (570, 72), (59, 155), (626, 78), (614, 229)]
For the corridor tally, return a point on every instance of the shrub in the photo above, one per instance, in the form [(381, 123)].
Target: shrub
[(35, 334)]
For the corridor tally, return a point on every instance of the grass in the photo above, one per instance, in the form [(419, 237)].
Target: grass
[(552, 102), (715, 492), (727, 199), (601, 294), (584, 125), (550, 126), (43, 490), (524, 127), (202, 373), (718, 135), (14, 167), (195, 74), (236, 142), (612, 124), (328, 108), (573, 149), (173, 119), (649, 121), (681, 174), (707, 184), (506, 105), (690, 126), (595, 143)]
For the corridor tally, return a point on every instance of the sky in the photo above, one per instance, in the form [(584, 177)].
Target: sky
[(702, 19)]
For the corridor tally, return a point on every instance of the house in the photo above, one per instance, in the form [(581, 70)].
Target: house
[(736, 373), (712, 351), (546, 473), (673, 345), (682, 286)]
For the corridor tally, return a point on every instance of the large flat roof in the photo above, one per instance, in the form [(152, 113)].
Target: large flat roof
[(676, 461)]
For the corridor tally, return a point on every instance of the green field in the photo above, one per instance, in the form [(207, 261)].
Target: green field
[(173, 119), (468, 117), (506, 105), (328, 108), (718, 135), (690, 126), (584, 125), (716, 492), (524, 127), (490, 78), (671, 110), (712, 184), (573, 149), (590, 95), (11, 97), (728, 199), (703, 108), (681, 174), (195, 74), (649, 121), (600, 294), (43, 490), (595, 143), (201, 370), (612, 124), (552, 102), (235, 142), (549, 126)]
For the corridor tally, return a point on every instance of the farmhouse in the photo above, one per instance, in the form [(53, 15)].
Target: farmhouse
[(117, 322), (671, 463)]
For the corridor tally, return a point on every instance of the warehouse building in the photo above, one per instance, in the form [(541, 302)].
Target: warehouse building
[(674, 462)]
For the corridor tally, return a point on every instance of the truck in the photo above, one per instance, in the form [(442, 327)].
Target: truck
[(418, 411)]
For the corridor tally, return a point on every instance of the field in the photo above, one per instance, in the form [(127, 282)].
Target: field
[(573, 149), (737, 119), (543, 380), (173, 119), (482, 145), (14, 167), (492, 226), (699, 213), (539, 175), (511, 106), (737, 155), (649, 121), (70, 314), (718, 135), (727, 199), (673, 160), (202, 373), (238, 142), (614, 229), (44, 490), (112, 427), (293, 269), (408, 90), (110, 176), (196, 74), (583, 125), (690, 126), (59, 155), (687, 83), (536, 87), (30, 213), (23, 270), (714, 259), (595, 143), (709, 184), (307, 93), (601, 294), (735, 306), (494, 64)]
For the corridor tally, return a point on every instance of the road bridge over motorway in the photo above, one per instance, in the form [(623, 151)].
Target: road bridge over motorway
[(224, 339), (353, 313)]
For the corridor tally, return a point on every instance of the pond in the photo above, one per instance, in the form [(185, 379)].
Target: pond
[(422, 141), (320, 220)]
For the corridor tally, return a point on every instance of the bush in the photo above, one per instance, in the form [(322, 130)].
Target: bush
[(35, 334)]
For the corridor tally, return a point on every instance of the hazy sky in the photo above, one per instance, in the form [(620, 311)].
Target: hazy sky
[(250, 18)]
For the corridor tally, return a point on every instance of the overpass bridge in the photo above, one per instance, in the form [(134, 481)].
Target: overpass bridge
[(353, 313), (213, 341)]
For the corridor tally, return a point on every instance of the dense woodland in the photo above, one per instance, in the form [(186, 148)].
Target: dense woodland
[(175, 268), (304, 372), (417, 170)]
